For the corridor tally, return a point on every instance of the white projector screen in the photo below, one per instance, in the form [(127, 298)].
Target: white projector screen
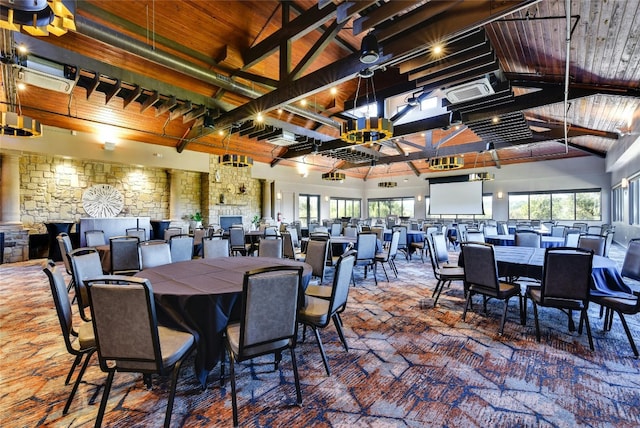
[(460, 198)]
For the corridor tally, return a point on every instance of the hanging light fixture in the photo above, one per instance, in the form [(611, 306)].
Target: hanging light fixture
[(333, 176), (481, 176), (19, 126), (388, 184), (237, 161), (369, 49), (39, 17), (446, 163), (368, 129)]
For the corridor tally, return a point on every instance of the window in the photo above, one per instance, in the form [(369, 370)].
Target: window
[(392, 206), (309, 209), (634, 201), (344, 207), (565, 205), (487, 206), (617, 204)]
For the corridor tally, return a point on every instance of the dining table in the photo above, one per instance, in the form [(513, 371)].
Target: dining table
[(510, 240), (201, 296), (528, 262)]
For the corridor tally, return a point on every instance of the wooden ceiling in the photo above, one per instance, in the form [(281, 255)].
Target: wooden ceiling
[(195, 75)]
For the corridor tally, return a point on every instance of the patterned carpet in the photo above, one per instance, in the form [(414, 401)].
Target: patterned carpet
[(409, 365)]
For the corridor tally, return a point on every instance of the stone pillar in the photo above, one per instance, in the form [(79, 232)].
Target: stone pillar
[(174, 194), (266, 199), (10, 189)]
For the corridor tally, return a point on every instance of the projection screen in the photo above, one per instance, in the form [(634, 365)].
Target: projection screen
[(459, 198)]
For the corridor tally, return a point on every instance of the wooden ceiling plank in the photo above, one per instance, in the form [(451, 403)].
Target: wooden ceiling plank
[(380, 14), (181, 110), (414, 18), (166, 105), (135, 94), (150, 101), (451, 61), (347, 9), (115, 89), (194, 114), (94, 84), (317, 49)]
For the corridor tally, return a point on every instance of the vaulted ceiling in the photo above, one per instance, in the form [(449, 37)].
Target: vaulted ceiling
[(278, 80)]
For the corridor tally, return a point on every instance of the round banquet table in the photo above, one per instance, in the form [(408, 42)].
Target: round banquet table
[(510, 240), (201, 296)]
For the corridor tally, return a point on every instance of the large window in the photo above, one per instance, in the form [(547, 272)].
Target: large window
[(617, 204), (344, 207), (309, 209), (634, 201), (391, 206), (561, 205), (487, 207)]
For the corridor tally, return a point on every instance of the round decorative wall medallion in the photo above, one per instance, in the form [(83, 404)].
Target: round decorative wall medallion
[(102, 200)]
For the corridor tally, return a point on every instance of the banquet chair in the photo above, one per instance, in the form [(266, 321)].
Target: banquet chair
[(629, 305), (418, 247), (439, 245), (608, 241), (213, 248), (594, 229), (288, 249), (295, 240), (154, 254), (443, 274), (571, 237), (566, 278), (94, 238), (181, 247), (481, 277), (336, 229), (631, 263), (80, 341), (64, 242), (318, 312), (558, 230), (316, 256), (503, 229), (264, 290), (129, 338), (237, 242), (270, 247), (527, 239), (402, 242), (270, 232), (171, 231), (138, 232), (595, 243), (388, 256), (124, 255), (366, 255), (475, 236), (198, 235), (490, 230), (85, 264), (580, 225), (379, 232), (351, 232)]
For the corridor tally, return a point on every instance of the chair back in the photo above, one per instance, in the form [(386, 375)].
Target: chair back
[(94, 238), (85, 263), (341, 280), (124, 321), (571, 238), (439, 245), (270, 232), (198, 234), (213, 247), (366, 246), (402, 242), (138, 232), (566, 276), (393, 246), (270, 247), (272, 294), (608, 240), (154, 254), (288, 250), (351, 231), (631, 263), (503, 229), (316, 256), (595, 243), (379, 231), (336, 229), (581, 226), (527, 239), (475, 236), (171, 231), (236, 237), (64, 242), (558, 230), (594, 230), (124, 254), (480, 266), (294, 237), (181, 247), (62, 303)]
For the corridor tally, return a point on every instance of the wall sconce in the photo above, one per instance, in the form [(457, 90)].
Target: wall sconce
[(624, 183), (326, 198), (419, 198), (278, 196), (500, 195), (109, 146)]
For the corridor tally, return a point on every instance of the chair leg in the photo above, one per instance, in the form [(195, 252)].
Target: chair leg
[(296, 377), (523, 311), (586, 320), (535, 318), (466, 305), (626, 330), (504, 316), (77, 382), (392, 263), (105, 399), (75, 363), (385, 271), (439, 287), (234, 400), (172, 393), (324, 356), (338, 323)]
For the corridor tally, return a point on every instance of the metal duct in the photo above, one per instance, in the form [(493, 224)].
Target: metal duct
[(106, 35)]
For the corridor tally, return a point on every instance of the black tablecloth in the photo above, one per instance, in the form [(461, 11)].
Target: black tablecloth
[(201, 296)]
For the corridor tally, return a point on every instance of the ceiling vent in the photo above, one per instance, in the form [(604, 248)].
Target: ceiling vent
[(469, 91), (285, 138), (45, 74)]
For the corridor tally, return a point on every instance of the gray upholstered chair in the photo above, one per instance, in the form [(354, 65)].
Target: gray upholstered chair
[(490, 230), (595, 243), (64, 243), (171, 231), (198, 235), (85, 263), (444, 274), (527, 239), (124, 255), (629, 305), (94, 238), (366, 256), (237, 242), (481, 277), (571, 237), (213, 248), (79, 340), (336, 229), (270, 247), (181, 248), (558, 230), (351, 232), (264, 290), (319, 312), (289, 251), (402, 242), (129, 338), (631, 263), (316, 256), (439, 245), (566, 279), (154, 253), (388, 256), (138, 232)]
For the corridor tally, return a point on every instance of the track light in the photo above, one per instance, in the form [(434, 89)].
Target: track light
[(369, 49)]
